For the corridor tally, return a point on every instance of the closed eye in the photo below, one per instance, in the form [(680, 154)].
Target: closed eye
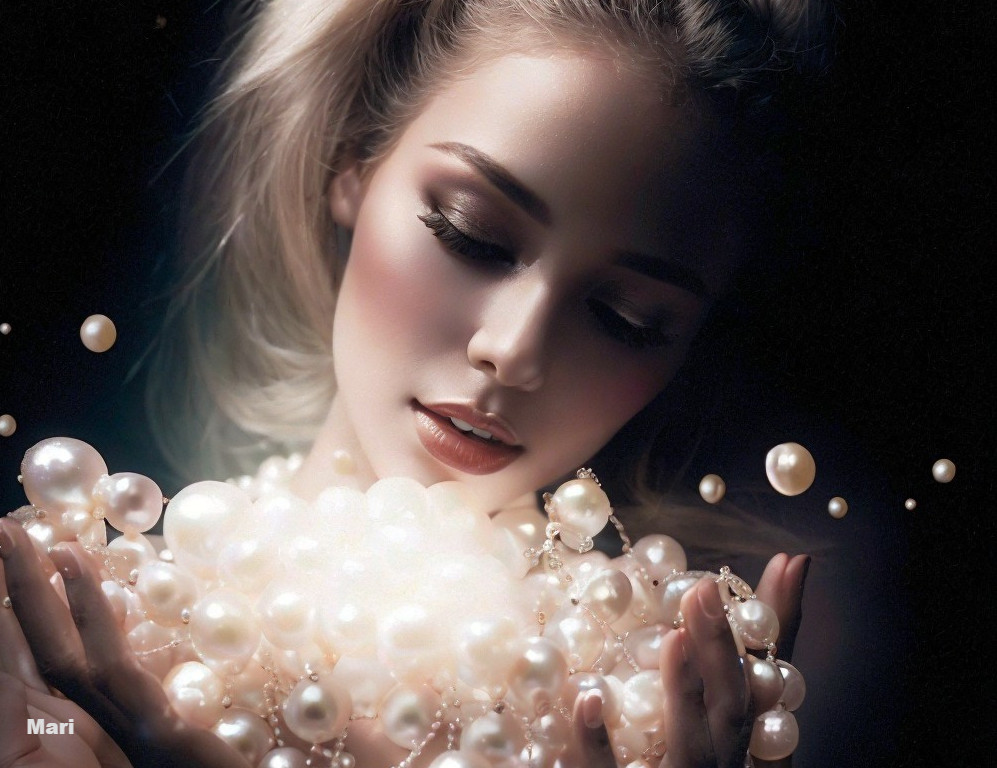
[(632, 334), (463, 244)]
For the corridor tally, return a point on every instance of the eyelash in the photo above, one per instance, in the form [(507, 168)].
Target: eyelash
[(632, 335)]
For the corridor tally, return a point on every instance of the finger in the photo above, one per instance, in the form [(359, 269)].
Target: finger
[(781, 587), (706, 699), (15, 741), (15, 656), (113, 668), (591, 737)]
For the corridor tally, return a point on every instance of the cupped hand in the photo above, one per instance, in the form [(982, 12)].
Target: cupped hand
[(81, 653)]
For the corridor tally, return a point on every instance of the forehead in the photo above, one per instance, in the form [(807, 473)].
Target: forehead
[(603, 144)]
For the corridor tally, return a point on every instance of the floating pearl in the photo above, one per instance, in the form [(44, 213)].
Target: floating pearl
[(538, 673), (224, 630), (201, 519), (795, 687), (642, 696), (165, 591), (284, 757), (317, 711), (837, 507), (246, 732), (765, 680), (59, 474), (407, 712), (660, 555), (943, 471), (608, 594), (98, 333), (4, 328), (712, 488), (196, 693), (498, 737), (774, 736), (582, 507), (130, 501), (790, 468), (911, 504), (757, 623), (460, 759), (8, 425)]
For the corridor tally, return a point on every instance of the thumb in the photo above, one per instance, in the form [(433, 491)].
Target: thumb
[(15, 741)]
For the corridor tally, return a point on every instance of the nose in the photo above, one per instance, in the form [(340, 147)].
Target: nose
[(509, 343)]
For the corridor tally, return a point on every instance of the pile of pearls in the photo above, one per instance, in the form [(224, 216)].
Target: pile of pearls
[(277, 623)]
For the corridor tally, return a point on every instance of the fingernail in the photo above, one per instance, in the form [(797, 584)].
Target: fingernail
[(65, 560), (592, 707), (709, 601), (6, 542)]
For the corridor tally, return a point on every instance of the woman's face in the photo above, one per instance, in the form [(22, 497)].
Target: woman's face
[(530, 260)]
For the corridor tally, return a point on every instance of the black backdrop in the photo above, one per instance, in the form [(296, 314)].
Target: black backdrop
[(882, 332)]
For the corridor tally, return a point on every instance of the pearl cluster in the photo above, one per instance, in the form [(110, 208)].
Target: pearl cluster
[(277, 623)]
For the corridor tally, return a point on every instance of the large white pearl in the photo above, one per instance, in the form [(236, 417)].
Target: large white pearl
[(660, 555), (578, 636), (795, 689), (837, 507), (644, 644), (199, 522), (247, 565), (246, 732), (538, 673), (943, 471), (757, 623), (367, 681), (284, 757), (790, 468), (765, 681), (98, 333), (224, 630), (165, 591), (413, 644), (130, 502), (317, 711), (128, 552), (642, 699), (712, 488), (59, 474), (196, 693), (287, 613), (407, 713), (87, 529), (4, 328), (608, 594), (774, 735), (670, 591), (498, 737), (349, 628), (460, 759), (486, 651), (153, 644), (8, 425), (582, 507)]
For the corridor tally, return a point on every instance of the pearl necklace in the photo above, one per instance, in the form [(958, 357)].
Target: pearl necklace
[(277, 623)]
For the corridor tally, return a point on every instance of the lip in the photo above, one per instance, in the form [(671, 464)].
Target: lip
[(458, 450)]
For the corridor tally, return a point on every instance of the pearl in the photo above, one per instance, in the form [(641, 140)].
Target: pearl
[(350, 627), (4, 328), (837, 507), (224, 630), (246, 732), (670, 591), (486, 652), (128, 553), (165, 591), (287, 613), (774, 736), (367, 681), (765, 680), (413, 644), (317, 711), (196, 693), (129, 501), (610, 689), (284, 757), (712, 488), (81, 525), (498, 737), (117, 597), (460, 759), (407, 713), (608, 594), (911, 504), (642, 697), (581, 507), (247, 565), (644, 645), (98, 333), (757, 623), (660, 555), (200, 521), (579, 637), (538, 673), (790, 468), (247, 689), (943, 471), (8, 425), (795, 687), (59, 474)]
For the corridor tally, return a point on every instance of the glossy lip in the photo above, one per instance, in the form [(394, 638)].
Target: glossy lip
[(463, 452)]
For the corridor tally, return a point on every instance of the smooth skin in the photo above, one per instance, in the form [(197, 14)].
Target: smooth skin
[(48, 649)]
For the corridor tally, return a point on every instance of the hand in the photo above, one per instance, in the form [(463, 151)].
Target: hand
[(82, 653)]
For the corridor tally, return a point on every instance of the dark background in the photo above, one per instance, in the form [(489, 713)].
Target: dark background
[(878, 350)]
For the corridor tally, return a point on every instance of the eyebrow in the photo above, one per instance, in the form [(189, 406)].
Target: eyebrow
[(500, 178), (664, 270)]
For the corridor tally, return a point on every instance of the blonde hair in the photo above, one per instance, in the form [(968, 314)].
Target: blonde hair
[(313, 83)]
